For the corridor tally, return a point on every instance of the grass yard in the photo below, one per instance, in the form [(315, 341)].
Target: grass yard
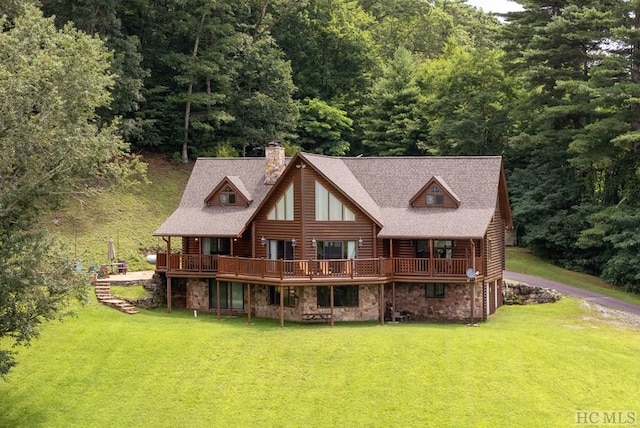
[(129, 291), (527, 367)]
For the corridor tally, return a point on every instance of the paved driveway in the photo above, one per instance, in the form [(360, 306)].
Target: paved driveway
[(591, 296)]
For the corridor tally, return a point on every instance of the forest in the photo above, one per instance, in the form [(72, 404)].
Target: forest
[(554, 89)]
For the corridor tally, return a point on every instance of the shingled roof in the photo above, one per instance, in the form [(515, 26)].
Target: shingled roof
[(381, 187), (194, 218)]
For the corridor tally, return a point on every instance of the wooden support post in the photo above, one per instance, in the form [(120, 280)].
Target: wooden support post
[(382, 304), (473, 301), (281, 306), (393, 302), (218, 298), (248, 303), (430, 257), (331, 300), (169, 294)]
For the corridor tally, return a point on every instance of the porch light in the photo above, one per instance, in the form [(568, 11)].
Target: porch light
[(294, 242), (263, 241), (314, 243), (360, 242)]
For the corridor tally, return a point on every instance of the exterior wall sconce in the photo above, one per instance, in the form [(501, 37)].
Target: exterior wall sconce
[(263, 241), (360, 242), (294, 242), (314, 243)]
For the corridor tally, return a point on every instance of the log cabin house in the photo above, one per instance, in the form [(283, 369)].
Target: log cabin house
[(316, 237)]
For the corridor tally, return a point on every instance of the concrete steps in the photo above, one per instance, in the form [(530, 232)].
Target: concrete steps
[(104, 296)]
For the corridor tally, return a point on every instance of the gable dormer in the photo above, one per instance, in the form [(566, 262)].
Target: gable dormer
[(229, 192), (437, 194)]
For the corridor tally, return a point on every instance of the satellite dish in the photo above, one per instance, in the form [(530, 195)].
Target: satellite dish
[(471, 273)]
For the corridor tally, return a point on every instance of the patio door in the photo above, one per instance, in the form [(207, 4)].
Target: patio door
[(231, 295)]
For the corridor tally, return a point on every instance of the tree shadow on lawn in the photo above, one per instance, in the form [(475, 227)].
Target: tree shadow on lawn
[(23, 410), (240, 321)]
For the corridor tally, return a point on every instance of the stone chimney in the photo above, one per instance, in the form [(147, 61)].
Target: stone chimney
[(274, 154)]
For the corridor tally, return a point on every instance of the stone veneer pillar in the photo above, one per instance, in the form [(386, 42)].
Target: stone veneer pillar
[(274, 154)]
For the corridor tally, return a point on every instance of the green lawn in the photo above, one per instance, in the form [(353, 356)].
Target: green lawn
[(528, 367), (129, 291)]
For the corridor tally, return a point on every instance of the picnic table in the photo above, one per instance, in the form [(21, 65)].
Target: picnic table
[(317, 316)]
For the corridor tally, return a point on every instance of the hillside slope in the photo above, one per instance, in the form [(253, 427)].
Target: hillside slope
[(86, 225)]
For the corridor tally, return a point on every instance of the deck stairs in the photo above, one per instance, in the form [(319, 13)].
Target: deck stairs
[(103, 293)]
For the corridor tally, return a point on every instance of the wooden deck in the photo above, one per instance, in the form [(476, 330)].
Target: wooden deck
[(352, 270)]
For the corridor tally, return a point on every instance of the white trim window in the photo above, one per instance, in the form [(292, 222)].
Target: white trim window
[(329, 208), (283, 210)]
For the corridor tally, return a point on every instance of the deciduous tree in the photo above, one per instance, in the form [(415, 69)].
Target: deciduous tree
[(52, 146)]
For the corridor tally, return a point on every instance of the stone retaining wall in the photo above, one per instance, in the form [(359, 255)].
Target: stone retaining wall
[(519, 293)]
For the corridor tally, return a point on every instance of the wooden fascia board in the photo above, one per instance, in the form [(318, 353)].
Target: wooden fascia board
[(435, 238)]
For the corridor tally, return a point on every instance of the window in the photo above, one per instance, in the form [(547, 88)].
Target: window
[(435, 196), (283, 210), (231, 295), (289, 296), (345, 296), (443, 249), (422, 248), (329, 208), (227, 196), (335, 250), (277, 250), (216, 245), (434, 291)]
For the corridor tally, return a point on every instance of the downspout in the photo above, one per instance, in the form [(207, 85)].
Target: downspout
[(473, 287)]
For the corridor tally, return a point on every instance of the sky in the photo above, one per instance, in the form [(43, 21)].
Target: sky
[(496, 6)]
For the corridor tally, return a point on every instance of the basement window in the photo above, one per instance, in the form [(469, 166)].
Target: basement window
[(289, 296), (434, 291), (343, 296)]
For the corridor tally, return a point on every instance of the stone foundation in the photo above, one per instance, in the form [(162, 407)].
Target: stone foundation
[(307, 302), (454, 306), (410, 299), (198, 294)]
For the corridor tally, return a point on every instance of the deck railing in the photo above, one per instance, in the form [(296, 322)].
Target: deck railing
[(197, 263), (304, 268), (351, 268)]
